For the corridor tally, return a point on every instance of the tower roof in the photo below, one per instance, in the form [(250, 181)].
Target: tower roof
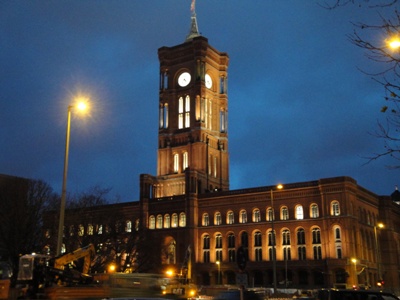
[(194, 30), (395, 196)]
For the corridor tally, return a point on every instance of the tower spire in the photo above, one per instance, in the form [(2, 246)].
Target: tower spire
[(194, 30)]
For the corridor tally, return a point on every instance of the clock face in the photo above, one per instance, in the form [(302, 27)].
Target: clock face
[(184, 79), (208, 81)]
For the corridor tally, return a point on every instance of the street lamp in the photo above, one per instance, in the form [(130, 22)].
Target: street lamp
[(377, 252), (219, 271), (279, 187), (354, 261), (81, 105)]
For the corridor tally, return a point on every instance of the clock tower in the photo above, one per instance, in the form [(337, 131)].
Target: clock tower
[(193, 152)]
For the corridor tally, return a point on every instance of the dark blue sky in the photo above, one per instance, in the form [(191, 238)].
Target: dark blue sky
[(299, 108)]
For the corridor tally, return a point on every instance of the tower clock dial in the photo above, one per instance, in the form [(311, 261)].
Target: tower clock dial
[(184, 79), (208, 81)]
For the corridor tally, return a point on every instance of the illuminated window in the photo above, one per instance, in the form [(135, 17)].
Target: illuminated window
[(230, 217), (174, 220), (167, 221), (184, 112), (185, 160), (257, 246), (206, 219), (187, 112), (217, 218), (206, 248), (218, 247), (128, 227), (256, 215), (299, 212), (152, 222), (335, 208), (284, 213), (81, 230), (270, 214), (159, 221), (316, 241), (182, 219), (243, 216), (176, 163), (90, 229), (314, 212)]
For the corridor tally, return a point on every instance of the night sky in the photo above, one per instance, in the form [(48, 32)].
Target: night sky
[(300, 109)]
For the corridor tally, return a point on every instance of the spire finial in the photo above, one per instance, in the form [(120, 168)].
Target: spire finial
[(194, 31)]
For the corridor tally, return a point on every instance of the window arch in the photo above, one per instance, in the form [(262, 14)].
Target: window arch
[(167, 221), (217, 218), (206, 219), (206, 248), (182, 219), (159, 222), (301, 244), (337, 234), (314, 211), (256, 215), (243, 216), (174, 220), (335, 208), (152, 222), (270, 214), (218, 247), (284, 213), (286, 244), (231, 247), (230, 217), (257, 246), (185, 160), (316, 242), (176, 163), (299, 212)]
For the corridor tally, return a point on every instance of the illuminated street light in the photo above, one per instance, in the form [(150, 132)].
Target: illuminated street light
[(82, 106), (354, 261), (377, 252), (394, 43), (279, 187)]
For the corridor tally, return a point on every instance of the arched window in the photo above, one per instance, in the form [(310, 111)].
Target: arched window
[(256, 215), (299, 212), (217, 218), (301, 244), (159, 221), (90, 229), (174, 220), (167, 221), (316, 241), (206, 242), (230, 217), (338, 241), (335, 208), (206, 219), (182, 219), (231, 247), (257, 246), (271, 245), (152, 222), (218, 247), (284, 213), (185, 161), (286, 245), (81, 230), (270, 214), (176, 163), (243, 216), (128, 226), (314, 212)]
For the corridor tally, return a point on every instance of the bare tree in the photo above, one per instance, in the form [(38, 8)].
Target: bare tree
[(22, 202), (385, 55)]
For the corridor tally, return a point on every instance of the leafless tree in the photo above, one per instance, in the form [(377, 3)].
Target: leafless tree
[(385, 55)]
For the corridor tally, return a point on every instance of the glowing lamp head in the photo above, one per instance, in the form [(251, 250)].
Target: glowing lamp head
[(394, 43)]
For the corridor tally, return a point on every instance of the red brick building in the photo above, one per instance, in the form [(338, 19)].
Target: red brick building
[(325, 232)]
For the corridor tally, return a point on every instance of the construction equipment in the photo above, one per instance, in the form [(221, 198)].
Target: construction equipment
[(37, 271)]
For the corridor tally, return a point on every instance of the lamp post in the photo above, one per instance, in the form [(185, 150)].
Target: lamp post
[(354, 261), (219, 271), (377, 252), (279, 186), (81, 106)]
